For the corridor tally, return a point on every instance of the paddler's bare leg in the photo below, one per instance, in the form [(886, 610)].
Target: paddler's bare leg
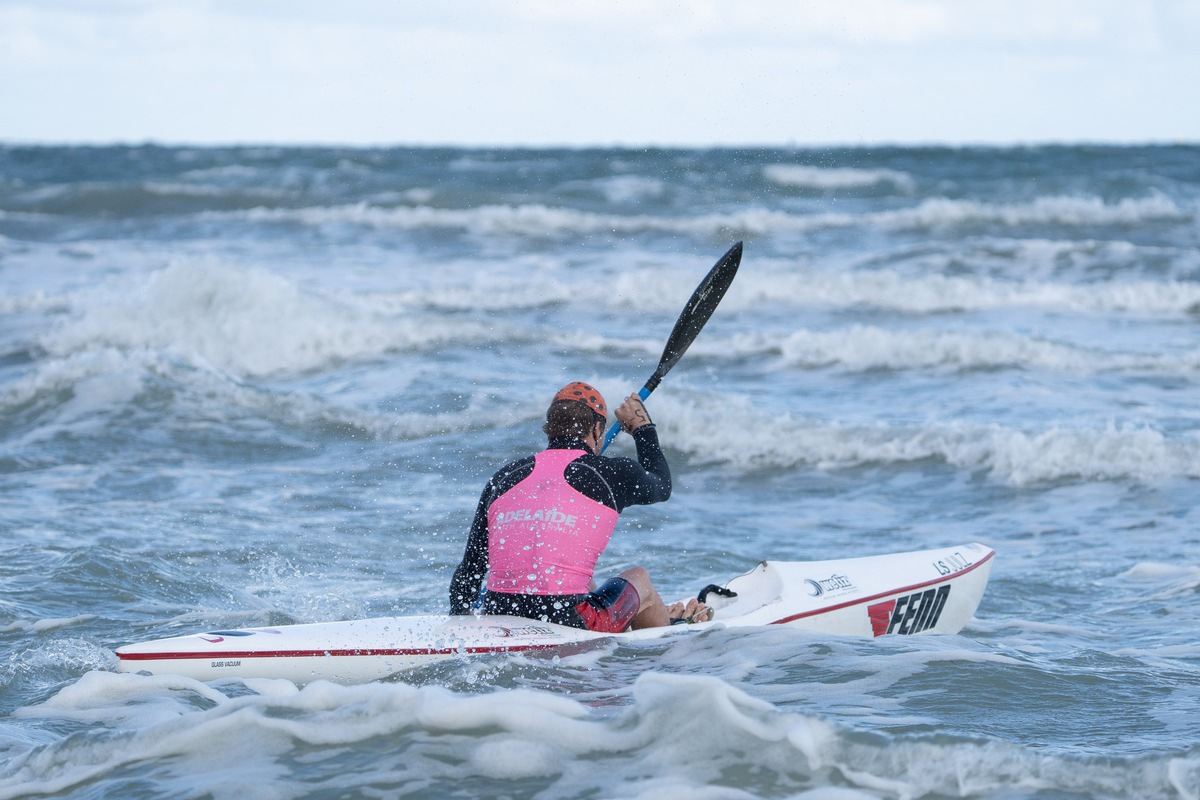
[(653, 613)]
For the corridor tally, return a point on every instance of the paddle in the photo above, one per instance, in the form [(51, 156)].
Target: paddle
[(697, 311)]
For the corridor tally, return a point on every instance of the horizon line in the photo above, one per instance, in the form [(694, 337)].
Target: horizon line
[(466, 145)]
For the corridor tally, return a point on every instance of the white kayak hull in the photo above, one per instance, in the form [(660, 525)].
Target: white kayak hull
[(930, 591)]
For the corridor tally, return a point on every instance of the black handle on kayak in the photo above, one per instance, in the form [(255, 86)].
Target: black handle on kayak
[(712, 588)]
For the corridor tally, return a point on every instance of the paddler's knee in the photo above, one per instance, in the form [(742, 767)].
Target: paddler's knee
[(640, 579)]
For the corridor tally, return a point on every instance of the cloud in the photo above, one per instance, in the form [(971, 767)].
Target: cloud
[(598, 71)]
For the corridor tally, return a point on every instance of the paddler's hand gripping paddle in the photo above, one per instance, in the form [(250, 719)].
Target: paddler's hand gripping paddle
[(697, 311)]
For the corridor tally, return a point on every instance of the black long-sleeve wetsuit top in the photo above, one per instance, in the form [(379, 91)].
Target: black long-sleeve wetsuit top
[(616, 482)]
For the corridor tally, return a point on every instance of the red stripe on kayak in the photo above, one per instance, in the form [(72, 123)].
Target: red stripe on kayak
[(889, 593), (222, 655)]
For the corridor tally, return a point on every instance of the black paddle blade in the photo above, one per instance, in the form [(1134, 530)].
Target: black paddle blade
[(697, 311)]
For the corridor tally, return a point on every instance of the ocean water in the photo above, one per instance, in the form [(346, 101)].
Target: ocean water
[(262, 386)]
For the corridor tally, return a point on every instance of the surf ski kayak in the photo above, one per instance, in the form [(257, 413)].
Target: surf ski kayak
[(930, 591)]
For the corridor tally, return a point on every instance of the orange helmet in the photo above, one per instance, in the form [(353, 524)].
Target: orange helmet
[(584, 393)]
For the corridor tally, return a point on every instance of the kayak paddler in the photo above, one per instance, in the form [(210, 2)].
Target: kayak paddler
[(543, 521)]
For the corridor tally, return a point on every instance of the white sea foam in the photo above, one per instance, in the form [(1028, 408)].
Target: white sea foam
[(939, 293), (480, 294), (210, 191), (1166, 580), (255, 322), (81, 391), (629, 188), (1059, 210), (783, 285), (827, 178), (543, 220), (43, 625), (99, 696), (53, 657), (1017, 457), (1156, 654), (246, 322), (697, 736), (862, 347), (35, 302), (227, 172), (1047, 629), (865, 347), (54, 375), (102, 382), (1154, 572)]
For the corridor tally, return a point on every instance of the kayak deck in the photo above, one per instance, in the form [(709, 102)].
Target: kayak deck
[(931, 591)]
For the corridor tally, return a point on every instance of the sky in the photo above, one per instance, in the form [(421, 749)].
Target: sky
[(600, 72)]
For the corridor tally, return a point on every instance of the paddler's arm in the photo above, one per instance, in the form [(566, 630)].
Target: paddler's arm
[(648, 480), (468, 578), (654, 485)]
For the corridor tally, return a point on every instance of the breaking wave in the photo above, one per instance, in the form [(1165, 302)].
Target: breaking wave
[(829, 178), (543, 220), (251, 322), (1006, 455), (178, 729), (863, 347)]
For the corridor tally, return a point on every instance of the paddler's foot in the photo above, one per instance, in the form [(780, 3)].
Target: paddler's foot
[(694, 611)]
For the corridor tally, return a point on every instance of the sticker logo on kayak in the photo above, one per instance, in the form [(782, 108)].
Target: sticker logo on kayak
[(909, 614), (528, 630), (834, 584), (222, 634), (955, 562)]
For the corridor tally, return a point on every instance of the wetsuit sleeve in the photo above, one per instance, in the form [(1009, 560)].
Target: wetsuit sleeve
[(468, 578), (647, 480)]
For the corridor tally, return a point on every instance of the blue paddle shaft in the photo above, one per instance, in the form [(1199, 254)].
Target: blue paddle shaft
[(643, 393)]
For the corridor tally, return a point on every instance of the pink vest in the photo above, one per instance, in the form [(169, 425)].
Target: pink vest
[(543, 536)]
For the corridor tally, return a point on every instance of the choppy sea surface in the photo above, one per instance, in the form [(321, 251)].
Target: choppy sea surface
[(262, 386)]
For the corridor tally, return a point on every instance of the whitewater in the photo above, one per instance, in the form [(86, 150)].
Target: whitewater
[(256, 386)]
